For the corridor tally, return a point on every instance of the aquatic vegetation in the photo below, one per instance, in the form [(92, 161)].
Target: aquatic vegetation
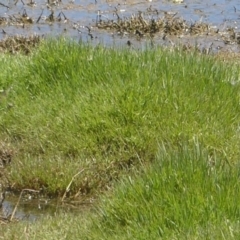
[(152, 21)]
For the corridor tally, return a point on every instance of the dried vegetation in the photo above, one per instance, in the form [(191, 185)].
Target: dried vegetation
[(19, 43), (6, 154), (151, 22), (23, 18)]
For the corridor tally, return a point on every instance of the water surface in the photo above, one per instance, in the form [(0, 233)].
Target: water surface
[(74, 18)]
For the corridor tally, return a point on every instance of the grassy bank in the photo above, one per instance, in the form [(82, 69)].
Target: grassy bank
[(71, 107), (182, 195), (165, 123)]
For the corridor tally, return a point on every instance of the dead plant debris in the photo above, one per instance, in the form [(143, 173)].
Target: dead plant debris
[(6, 154), (144, 24), (18, 43), (151, 22)]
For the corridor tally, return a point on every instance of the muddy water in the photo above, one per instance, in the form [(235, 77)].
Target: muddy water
[(77, 19), (31, 209)]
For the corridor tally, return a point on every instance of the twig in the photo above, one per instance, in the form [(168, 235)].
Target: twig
[(65, 18), (4, 5), (15, 209), (69, 185), (39, 17)]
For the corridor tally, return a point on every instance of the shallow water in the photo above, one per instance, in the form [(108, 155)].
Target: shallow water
[(28, 210), (76, 15), (31, 209)]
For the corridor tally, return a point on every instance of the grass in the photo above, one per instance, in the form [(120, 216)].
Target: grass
[(71, 106), (160, 127), (184, 194)]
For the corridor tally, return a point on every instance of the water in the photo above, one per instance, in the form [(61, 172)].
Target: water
[(32, 208), (76, 15), (29, 210)]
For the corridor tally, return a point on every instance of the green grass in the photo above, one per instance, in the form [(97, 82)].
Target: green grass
[(71, 106), (183, 194), (171, 117)]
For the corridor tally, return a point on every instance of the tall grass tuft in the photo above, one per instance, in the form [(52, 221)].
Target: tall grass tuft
[(71, 107), (186, 194)]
